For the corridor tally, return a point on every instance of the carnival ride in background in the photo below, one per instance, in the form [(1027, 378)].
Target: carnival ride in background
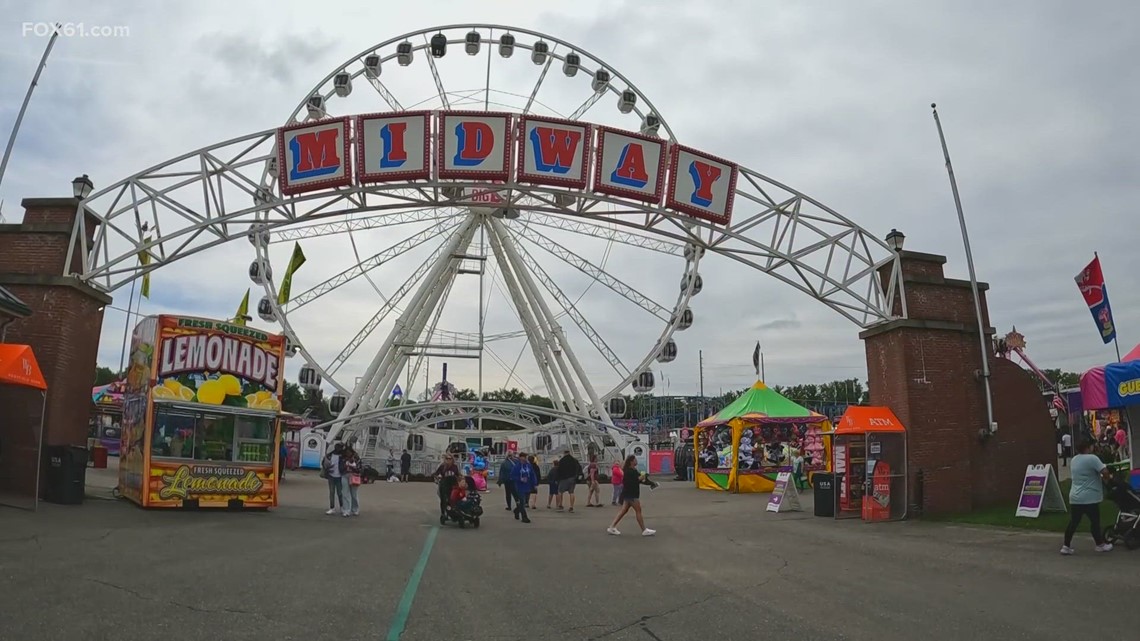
[(529, 240)]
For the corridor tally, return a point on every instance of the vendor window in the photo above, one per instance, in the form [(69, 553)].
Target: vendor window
[(218, 437), (173, 433), (254, 439)]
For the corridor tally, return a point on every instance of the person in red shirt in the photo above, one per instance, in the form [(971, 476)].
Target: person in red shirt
[(458, 493)]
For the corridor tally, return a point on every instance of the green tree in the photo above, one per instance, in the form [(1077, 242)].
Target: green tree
[(1060, 378), (293, 399), (465, 394), (105, 375)]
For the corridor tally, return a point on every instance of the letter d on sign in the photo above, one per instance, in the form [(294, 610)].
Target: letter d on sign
[(476, 140)]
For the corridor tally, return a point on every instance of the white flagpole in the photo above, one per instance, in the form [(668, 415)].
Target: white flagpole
[(27, 99), (973, 276)]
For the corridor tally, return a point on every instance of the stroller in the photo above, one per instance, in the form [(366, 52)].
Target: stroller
[(1126, 530), (466, 511)]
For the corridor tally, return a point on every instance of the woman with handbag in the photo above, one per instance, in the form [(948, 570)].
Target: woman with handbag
[(332, 470), (352, 482)]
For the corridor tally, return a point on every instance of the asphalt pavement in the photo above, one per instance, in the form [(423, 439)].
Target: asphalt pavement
[(719, 568)]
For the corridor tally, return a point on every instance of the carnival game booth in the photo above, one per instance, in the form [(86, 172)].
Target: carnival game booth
[(1116, 386), (23, 400), (107, 416), (869, 461), (743, 447), (200, 415)]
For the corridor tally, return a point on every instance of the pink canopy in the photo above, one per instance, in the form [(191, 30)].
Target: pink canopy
[(1094, 393)]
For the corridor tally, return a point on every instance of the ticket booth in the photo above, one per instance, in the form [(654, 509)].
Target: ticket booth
[(869, 460)]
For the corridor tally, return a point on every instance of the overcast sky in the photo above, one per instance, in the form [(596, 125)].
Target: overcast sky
[(830, 98)]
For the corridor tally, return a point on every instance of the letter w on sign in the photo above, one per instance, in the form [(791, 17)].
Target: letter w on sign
[(554, 149)]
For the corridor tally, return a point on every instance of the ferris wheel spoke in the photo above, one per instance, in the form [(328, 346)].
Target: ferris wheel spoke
[(571, 310), (435, 76), (585, 106), (598, 231), (541, 77), (595, 272), (373, 262), (385, 309), (361, 224), (385, 93)]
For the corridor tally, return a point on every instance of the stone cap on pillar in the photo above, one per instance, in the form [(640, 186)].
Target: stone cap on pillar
[(930, 295)]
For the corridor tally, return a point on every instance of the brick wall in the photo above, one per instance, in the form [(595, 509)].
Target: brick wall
[(67, 315), (927, 370)]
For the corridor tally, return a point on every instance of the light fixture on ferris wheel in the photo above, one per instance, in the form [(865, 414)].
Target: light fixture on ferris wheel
[(316, 106), (570, 64), (471, 42), (601, 80), (265, 310), (404, 53), (342, 84), (895, 240), (260, 272), (627, 101), (438, 46), (309, 378), (81, 187), (506, 45), (539, 52), (372, 65)]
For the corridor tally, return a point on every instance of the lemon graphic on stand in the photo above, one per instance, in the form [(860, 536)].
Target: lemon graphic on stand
[(230, 384), (186, 393), (162, 392), (212, 392)]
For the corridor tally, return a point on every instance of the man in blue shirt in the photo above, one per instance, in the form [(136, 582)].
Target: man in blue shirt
[(523, 480), (505, 468), (1088, 474)]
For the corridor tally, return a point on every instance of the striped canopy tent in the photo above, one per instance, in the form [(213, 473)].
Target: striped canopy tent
[(726, 463)]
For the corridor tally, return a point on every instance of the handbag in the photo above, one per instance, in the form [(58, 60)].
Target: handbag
[(354, 479)]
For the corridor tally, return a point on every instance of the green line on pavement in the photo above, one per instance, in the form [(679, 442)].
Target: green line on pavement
[(405, 607)]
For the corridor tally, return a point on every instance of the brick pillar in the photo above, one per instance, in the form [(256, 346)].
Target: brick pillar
[(67, 314), (927, 369)]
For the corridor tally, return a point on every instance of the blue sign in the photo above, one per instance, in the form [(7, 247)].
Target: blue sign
[(1122, 383)]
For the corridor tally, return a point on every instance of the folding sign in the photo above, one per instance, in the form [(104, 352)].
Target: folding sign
[(554, 152), (629, 165), (474, 145), (314, 155), (701, 185), (393, 146)]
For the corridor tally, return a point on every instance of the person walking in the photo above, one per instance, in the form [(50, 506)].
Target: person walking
[(594, 491), (1066, 448), (506, 469), (616, 477), (569, 469), (405, 466), (631, 497), (446, 475), (351, 481), (332, 469), (1088, 473), (282, 459), (537, 472), (523, 481), (552, 483)]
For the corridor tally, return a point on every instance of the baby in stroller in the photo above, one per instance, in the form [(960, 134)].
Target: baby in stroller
[(464, 504), (1126, 530)]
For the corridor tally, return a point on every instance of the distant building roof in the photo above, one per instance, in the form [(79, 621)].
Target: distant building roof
[(12, 306)]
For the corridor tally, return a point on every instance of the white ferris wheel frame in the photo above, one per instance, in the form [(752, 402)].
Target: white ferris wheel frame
[(188, 205)]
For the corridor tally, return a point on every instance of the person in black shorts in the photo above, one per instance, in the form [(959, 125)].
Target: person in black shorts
[(631, 497), (569, 469)]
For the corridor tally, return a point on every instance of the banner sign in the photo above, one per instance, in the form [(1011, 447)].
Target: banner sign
[(1040, 491), (218, 363), (480, 146), (1122, 383), (173, 482), (785, 497), (1091, 283)]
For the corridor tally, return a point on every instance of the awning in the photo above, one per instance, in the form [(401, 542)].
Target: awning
[(861, 419), (18, 366)]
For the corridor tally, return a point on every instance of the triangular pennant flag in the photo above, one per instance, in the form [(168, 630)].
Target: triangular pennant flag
[(242, 311), (295, 262), (144, 260)]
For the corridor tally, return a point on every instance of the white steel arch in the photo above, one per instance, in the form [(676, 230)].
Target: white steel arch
[(219, 193)]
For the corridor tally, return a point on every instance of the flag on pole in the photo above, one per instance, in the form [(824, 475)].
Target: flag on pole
[(242, 311), (397, 392), (1058, 403), (144, 260), (295, 263), (756, 359), (1091, 283)]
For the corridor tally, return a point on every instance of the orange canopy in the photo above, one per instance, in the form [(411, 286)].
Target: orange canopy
[(18, 366), (860, 419)]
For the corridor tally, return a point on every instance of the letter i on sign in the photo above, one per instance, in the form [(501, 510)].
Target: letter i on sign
[(392, 136)]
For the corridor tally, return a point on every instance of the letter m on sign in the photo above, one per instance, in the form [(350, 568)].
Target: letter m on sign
[(314, 154)]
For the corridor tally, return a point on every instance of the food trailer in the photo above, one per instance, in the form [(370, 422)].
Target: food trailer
[(200, 414)]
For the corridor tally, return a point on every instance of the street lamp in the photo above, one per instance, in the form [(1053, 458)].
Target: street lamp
[(81, 187), (895, 240)]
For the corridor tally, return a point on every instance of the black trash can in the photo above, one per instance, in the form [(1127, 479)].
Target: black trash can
[(824, 487), (65, 474)]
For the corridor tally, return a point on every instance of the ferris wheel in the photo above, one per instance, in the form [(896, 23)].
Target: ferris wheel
[(513, 288)]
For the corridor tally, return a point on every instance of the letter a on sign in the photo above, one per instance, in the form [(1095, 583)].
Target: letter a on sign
[(700, 185), (314, 156), (474, 145), (553, 152), (629, 165), (393, 146)]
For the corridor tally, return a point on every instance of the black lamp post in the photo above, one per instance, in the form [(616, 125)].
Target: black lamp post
[(81, 187)]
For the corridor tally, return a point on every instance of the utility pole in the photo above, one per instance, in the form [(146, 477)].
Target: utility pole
[(27, 99), (701, 357)]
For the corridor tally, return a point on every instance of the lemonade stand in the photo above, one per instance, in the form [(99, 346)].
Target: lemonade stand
[(200, 414)]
